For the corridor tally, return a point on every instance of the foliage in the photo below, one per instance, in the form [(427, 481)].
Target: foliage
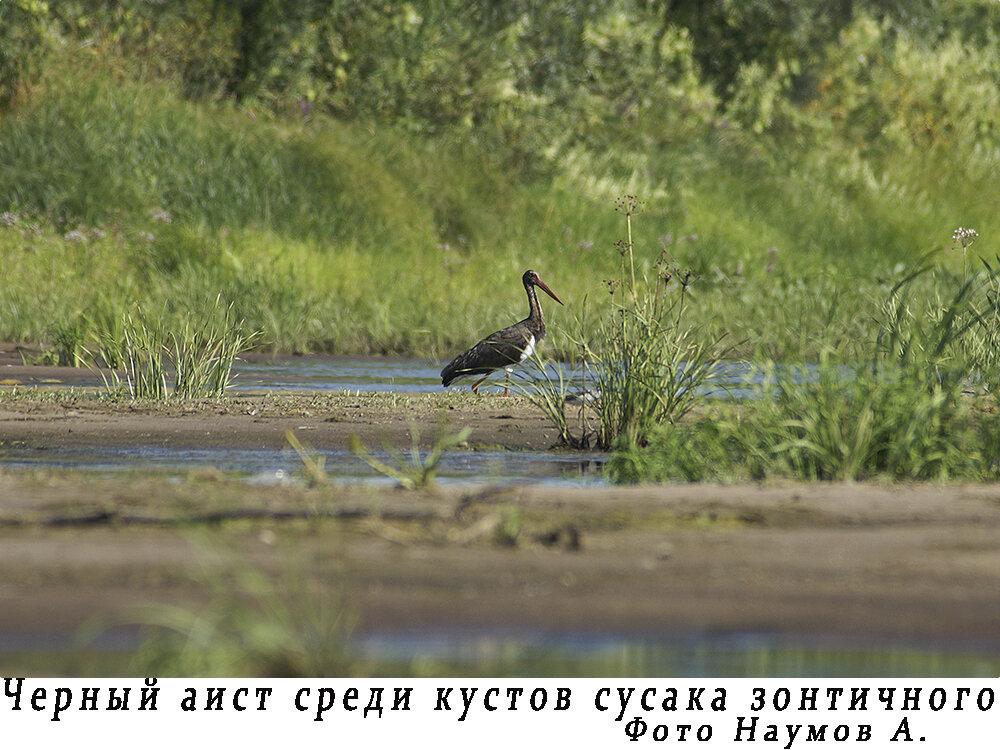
[(417, 470), (555, 391), (203, 356), (650, 363), (903, 413), (23, 43), (981, 345), (136, 351), (355, 178), (855, 424), (68, 337)]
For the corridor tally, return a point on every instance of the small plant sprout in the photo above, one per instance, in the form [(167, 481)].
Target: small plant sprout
[(416, 471), (313, 463)]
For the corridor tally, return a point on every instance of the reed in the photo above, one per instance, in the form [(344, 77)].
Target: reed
[(203, 355), (139, 352), (143, 348)]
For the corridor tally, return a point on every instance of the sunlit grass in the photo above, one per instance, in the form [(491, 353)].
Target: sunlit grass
[(909, 408), (327, 236)]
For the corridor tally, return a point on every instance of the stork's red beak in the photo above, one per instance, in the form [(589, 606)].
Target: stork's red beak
[(541, 285)]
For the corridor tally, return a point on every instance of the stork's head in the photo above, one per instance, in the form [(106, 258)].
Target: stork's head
[(531, 278)]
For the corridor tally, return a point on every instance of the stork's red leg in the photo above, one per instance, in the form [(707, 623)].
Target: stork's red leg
[(475, 388)]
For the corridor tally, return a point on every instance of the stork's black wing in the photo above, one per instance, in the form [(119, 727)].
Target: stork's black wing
[(497, 350)]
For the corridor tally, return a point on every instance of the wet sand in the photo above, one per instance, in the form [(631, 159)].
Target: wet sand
[(846, 560)]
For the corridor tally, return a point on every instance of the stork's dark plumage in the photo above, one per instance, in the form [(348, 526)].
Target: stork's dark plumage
[(505, 348)]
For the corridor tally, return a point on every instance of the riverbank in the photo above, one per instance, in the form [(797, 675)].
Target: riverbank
[(856, 561)]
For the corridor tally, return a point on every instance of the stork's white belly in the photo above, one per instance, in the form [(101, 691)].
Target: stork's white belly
[(529, 349)]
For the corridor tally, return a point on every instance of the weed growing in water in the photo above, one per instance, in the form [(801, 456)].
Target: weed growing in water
[(203, 356), (650, 363), (417, 470), (647, 365), (902, 413), (551, 394), (142, 350)]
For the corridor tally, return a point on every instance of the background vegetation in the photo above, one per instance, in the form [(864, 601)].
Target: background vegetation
[(356, 177)]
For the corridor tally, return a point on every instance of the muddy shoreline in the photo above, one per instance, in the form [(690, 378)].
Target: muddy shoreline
[(856, 561)]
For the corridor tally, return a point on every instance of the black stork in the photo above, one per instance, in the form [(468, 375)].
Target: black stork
[(505, 348)]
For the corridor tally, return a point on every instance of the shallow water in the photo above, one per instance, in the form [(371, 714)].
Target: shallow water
[(509, 653), (333, 374), (274, 466), (418, 376), (693, 655)]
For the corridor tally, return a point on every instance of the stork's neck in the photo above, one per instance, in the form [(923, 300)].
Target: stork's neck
[(535, 318)]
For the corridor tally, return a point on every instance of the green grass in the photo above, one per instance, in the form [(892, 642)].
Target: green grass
[(119, 194), (920, 404), (328, 236)]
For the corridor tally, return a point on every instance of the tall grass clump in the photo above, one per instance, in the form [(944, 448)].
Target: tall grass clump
[(140, 350), (982, 343), (904, 413), (143, 347), (548, 388), (203, 355), (849, 423), (650, 362)]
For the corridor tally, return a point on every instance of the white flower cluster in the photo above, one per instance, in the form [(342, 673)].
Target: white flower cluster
[(965, 236)]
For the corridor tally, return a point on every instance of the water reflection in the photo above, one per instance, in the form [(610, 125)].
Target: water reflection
[(456, 653), (264, 465), (733, 655)]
